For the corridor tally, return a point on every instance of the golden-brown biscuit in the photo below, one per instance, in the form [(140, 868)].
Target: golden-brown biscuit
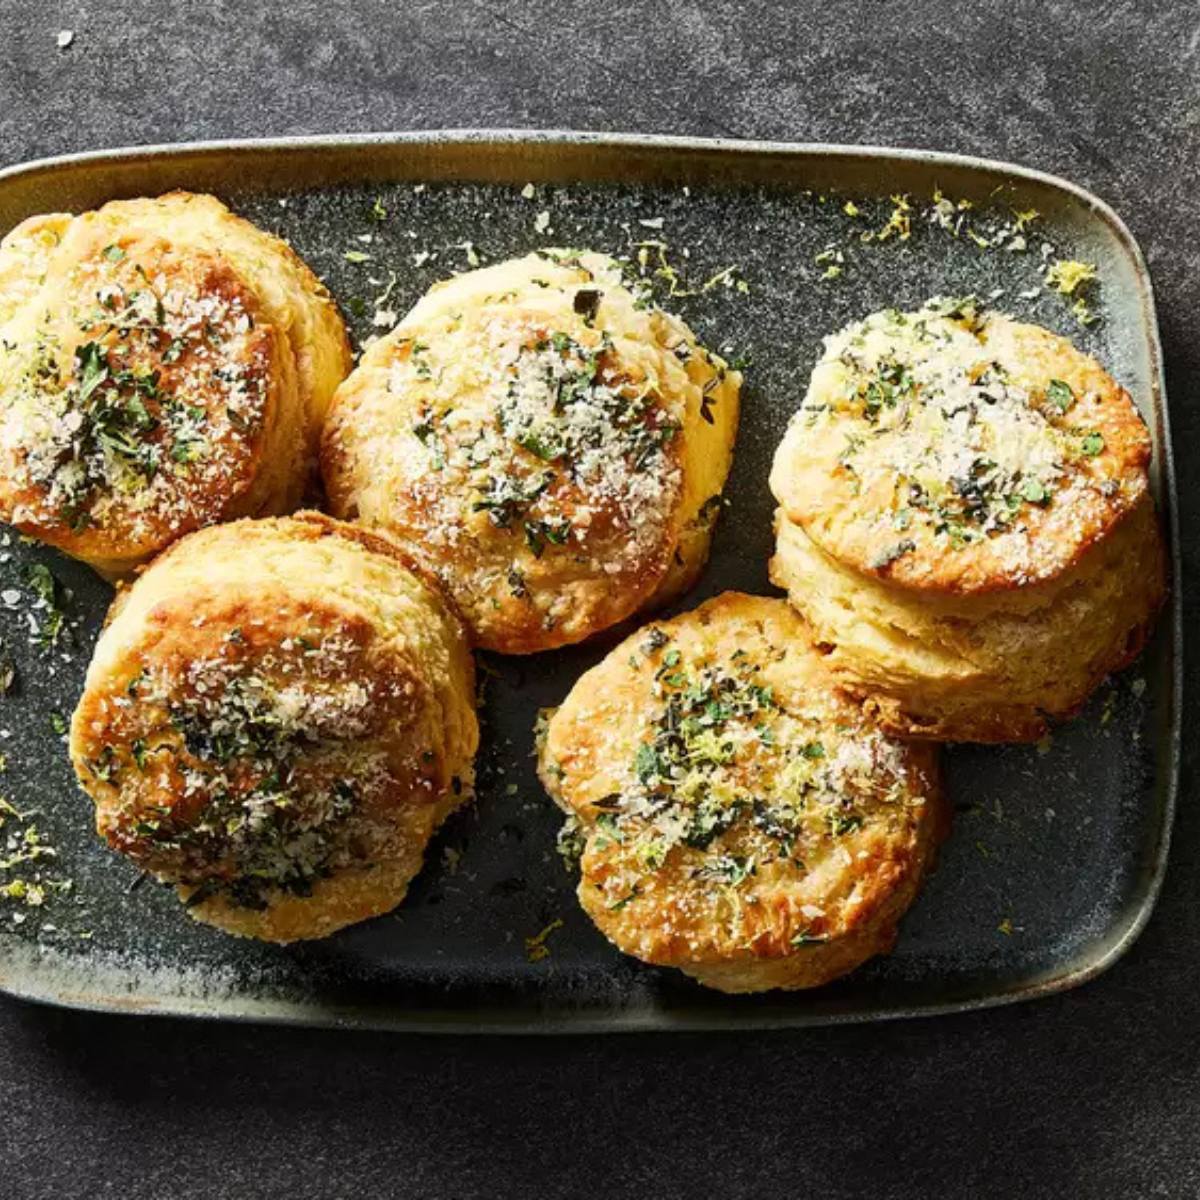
[(965, 522), (164, 365), (955, 451), (277, 716), (550, 444), (737, 817)]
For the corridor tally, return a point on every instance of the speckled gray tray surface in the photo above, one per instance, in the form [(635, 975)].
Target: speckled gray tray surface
[(1057, 850)]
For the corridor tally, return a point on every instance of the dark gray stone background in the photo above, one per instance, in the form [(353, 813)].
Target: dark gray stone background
[(1092, 1093)]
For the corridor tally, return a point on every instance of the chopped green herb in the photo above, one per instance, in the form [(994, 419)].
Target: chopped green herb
[(806, 938), (646, 763), (1034, 491), (731, 869), (571, 842), (889, 554), (51, 616), (587, 303), (1059, 395), (841, 823), (91, 367), (539, 533), (516, 583)]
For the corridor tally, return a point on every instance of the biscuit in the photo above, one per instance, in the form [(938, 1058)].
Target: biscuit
[(738, 818), (547, 442), (965, 521), (164, 365), (278, 715)]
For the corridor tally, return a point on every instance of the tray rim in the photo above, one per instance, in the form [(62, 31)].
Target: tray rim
[(280, 1011)]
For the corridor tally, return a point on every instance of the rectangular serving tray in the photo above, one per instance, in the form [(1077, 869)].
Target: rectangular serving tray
[(1058, 850)]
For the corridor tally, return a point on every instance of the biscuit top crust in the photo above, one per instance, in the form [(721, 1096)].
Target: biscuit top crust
[(246, 761), (135, 388), (725, 798), (247, 736), (523, 430), (954, 450)]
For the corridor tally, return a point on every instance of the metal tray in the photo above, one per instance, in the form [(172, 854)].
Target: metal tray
[(1058, 851)]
